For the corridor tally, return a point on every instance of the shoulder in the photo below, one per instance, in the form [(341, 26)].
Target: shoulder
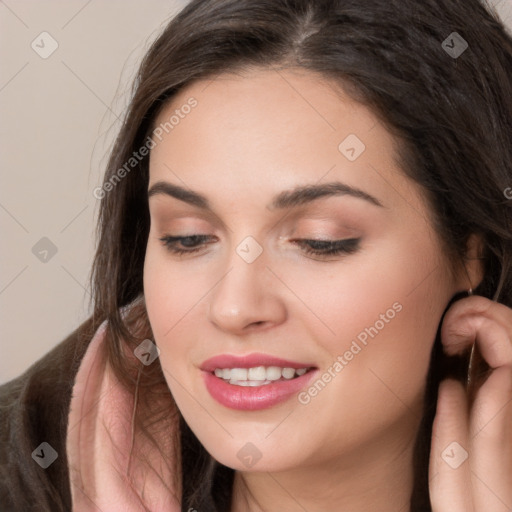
[(34, 410)]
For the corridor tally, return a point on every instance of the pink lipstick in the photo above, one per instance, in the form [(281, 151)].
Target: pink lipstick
[(254, 381)]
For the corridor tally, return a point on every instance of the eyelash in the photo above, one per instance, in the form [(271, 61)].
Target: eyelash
[(315, 247)]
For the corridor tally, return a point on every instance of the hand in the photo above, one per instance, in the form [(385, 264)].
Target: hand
[(482, 482)]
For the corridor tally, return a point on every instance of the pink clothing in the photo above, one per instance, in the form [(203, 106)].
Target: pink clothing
[(98, 445)]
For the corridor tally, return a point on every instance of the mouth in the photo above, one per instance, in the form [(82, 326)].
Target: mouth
[(256, 381), (258, 375)]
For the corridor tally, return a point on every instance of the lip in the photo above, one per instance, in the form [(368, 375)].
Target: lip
[(246, 398)]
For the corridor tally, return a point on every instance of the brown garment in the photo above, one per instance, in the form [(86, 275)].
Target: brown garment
[(34, 408)]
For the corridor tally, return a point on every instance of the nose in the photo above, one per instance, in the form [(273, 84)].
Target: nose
[(247, 297)]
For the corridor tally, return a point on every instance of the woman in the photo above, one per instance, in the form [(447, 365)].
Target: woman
[(304, 239)]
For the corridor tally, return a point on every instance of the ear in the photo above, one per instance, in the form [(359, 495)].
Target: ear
[(472, 272)]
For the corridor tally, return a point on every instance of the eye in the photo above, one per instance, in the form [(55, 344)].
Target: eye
[(329, 247), (190, 241), (193, 243)]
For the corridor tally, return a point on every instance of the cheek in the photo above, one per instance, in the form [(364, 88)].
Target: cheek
[(162, 290), (169, 291), (174, 297), (385, 315)]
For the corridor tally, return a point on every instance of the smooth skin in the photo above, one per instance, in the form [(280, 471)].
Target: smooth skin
[(251, 136)]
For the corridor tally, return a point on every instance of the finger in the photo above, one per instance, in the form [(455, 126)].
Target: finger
[(449, 471), (491, 442), (493, 339), (479, 305)]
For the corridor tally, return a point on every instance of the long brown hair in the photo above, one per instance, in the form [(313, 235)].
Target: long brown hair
[(451, 116)]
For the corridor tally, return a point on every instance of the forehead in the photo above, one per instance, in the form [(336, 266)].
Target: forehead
[(280, 127), (263, 102)]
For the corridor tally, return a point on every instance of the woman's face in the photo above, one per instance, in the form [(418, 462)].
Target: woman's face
[(361, 321)]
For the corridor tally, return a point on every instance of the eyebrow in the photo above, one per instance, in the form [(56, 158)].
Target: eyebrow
[(297, 196)]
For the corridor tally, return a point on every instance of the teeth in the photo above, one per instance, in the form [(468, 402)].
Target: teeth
[(273, 373), (257, 376), (250, 383), (238, 373), (258, 373), (288, 373)]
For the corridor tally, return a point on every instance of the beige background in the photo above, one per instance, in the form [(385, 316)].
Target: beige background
[(58, 118)]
